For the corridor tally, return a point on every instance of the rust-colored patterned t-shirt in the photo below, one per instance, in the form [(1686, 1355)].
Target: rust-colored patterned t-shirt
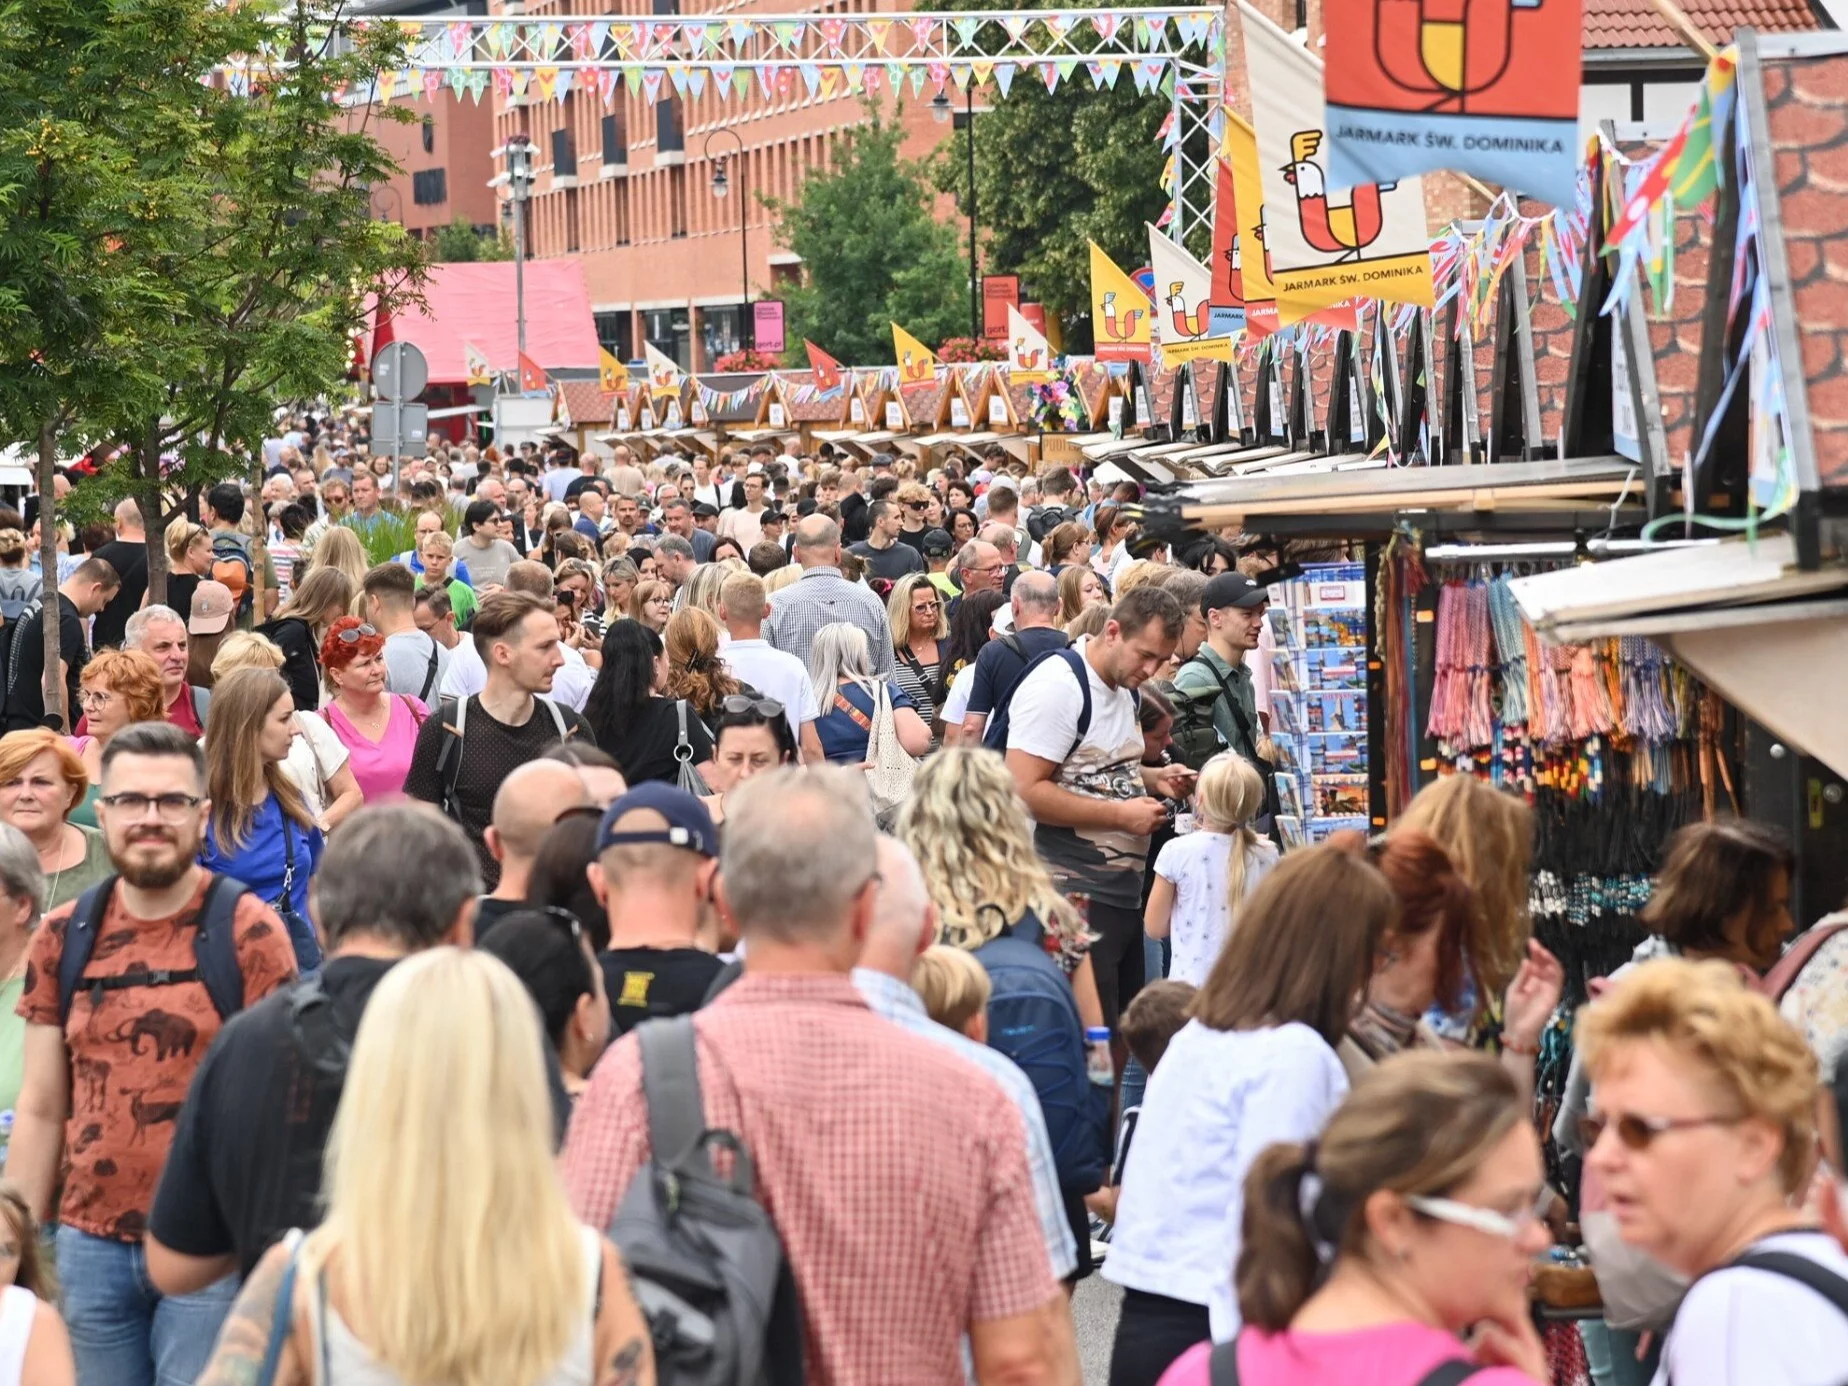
[(133, 1054)]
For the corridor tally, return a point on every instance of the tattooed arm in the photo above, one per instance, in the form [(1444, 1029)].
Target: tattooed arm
[(624, 1351), (242, 1343)]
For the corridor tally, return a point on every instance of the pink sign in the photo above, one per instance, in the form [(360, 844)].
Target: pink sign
[(767, 325)]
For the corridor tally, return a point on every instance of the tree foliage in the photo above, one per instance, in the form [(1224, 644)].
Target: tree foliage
[(872, 251), (179, 252), (459, 241)]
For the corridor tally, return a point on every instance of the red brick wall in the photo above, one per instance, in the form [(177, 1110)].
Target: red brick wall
[(1806, 103)]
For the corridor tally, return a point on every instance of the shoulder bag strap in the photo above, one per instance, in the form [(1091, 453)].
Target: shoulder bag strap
[(558, 718), (429, 673), (282, 1317), (683, 746), (1801, 1269), (287, 898), (860, 719), (670, 1084), (1075, 661), (1789, 967), (1222, 1366), (1449, 1373)]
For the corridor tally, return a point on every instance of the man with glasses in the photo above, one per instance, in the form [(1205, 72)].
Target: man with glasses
[(159, 957), (745, 524), (884, 555), (979, 568), (657, 855), (756, 663)]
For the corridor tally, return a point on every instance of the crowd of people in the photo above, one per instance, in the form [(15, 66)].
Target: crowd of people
[(764, 918)]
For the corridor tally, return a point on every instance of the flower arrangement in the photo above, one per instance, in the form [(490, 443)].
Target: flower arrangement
[(963, 349), (1057, 407), (749, 360)]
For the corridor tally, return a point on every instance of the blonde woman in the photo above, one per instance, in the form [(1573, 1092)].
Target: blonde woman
[(703, 587), (424, 1158), (1080, 589), (19, 585), (848, 693), (317, 762), (1488, 836), (341, 549), (783, 577), (260, 829), (189, 562), (1202, 877), (974, 843), (920, 637)]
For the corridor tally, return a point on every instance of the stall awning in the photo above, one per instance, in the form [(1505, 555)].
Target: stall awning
[(1575, 482), (1770, 637), (473, 305), (1106, 446)]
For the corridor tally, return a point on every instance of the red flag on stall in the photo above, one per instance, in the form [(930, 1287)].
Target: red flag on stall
[(533, 379), (827, 369)]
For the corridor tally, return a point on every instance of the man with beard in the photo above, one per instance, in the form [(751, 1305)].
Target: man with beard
[(125, 989)]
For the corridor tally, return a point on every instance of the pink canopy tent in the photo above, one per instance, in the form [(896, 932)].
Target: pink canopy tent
[(473, 304)]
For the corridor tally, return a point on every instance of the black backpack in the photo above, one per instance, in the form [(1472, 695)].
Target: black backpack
[(1791, 1266), (214, 950), (705, 1260), (994, 736)]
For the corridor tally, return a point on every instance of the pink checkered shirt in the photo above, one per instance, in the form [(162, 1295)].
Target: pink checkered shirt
[(896, 1172)]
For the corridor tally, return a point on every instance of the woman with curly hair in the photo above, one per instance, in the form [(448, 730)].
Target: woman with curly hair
[(974, 843), (693, 668), (119, 687)]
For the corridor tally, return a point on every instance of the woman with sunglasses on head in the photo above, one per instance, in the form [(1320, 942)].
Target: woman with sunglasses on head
[(752, 735), (378, 729), (552, 956), (1703, 1134), (260, 830), (1369, 1254), (920, 639)]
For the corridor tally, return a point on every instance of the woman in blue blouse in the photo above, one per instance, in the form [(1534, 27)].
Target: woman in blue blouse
[(846, 692), (260, 830)]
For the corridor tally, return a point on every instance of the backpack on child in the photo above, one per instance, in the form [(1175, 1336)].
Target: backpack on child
[(1033, 1019)]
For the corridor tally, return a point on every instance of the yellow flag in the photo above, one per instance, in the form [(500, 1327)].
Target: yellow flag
[(613, 376), (479, 371), (916, 364), (1120, 312)]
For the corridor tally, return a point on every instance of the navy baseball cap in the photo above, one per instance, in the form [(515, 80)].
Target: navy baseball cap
[(685, 820)]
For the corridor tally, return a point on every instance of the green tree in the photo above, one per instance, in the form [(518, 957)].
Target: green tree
[(872, 251), (180, 253), (460, 241)]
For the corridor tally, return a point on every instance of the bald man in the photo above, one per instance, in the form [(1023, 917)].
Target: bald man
[(525, 807), (904, 925), (822, 596), (998, 668)]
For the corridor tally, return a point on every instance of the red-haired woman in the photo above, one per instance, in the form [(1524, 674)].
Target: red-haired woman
[(378, 729)]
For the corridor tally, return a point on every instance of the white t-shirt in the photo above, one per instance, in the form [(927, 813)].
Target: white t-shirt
[(956, 706), (1099, 863), (1218, 1098), (775, 674), (315, 757), (1196, 865), (1754, 1326)]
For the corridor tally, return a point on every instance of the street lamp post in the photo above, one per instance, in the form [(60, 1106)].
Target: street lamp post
[(940, 112), (721, 186), (519, 151)]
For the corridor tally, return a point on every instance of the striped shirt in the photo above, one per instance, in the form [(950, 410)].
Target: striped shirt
[(819, 598)]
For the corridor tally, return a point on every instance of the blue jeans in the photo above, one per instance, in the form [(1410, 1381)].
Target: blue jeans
[(1610, 1353), (124, 1332)]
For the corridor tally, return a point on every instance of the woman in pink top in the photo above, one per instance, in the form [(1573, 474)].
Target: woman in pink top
[(1367, 1254), (378, 729)]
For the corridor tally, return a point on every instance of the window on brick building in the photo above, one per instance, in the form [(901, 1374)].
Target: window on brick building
[(615, 140), (564, 154), (429, 134), (430, 187), (670, 133)]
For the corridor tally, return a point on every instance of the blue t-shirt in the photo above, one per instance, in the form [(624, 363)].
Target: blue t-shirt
[(262, 863), (843, 738)]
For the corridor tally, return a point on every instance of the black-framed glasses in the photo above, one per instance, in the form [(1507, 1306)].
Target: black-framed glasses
[(352, 635), (1636, 1132), (736, 703), (170, 808)]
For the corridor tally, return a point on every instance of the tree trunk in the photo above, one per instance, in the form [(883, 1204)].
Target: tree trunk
[(148, 497), (48, 571)]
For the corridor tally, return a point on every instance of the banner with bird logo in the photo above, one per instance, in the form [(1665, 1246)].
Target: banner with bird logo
[(916, 364), (1326, 243), (1028, 351), (480, 372), (1249, 259), (1120, 312), (1188, 327), (663, 372), (1488, 87), (612, 375)]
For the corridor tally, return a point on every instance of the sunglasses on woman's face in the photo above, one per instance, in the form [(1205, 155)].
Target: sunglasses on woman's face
[(1636, 1132)]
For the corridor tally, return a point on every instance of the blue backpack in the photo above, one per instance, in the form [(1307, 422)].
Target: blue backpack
[(1033, 1019), (994, 737)]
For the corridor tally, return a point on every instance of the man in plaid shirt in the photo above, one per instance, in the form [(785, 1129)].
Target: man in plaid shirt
[(895, 1171), (822, 596)]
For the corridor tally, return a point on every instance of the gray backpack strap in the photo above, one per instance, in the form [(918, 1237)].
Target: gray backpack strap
[(558, 718), (670, 1082), (201, 702)]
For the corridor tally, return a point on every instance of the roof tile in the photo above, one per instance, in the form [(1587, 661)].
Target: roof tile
[(1635, 23)]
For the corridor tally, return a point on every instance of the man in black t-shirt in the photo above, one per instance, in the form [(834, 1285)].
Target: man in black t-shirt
[(127, 553), (246, 1161), (657, 854), (885, 556), (79, 597), (465, 749)]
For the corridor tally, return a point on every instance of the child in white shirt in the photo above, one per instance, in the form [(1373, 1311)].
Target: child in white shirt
[(1202, 877)]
